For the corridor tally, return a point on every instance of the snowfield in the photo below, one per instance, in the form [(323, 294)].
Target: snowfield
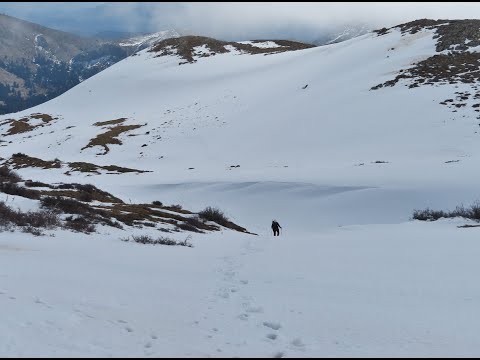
[(340, 166), (377, 290)]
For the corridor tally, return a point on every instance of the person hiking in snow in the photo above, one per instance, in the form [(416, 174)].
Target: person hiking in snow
[(276, 228)]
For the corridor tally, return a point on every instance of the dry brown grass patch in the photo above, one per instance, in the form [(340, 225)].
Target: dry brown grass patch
[(120, 169), (110, 137), (111, 122), (20, 161), (184, 47), (73, 198), (83, 167), (18, 127), (134, 214), (46, 118), (83, 195), (22, 125), (92, 168)]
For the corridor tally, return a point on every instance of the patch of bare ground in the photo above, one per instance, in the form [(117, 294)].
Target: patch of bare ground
[(21, 161), (185, 47), (92, 168), (467, 226), (454, 63), (137, 214), (111, 122), (77, 201), (110, 137), (453, 68), (23, 125), (85, 193), (451, 34)]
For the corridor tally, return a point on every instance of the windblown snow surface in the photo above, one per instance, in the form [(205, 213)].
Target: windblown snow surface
[(341, 167)]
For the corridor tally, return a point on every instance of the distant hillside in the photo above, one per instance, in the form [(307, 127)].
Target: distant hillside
[(34, 62), (179, 105), (38, 63)]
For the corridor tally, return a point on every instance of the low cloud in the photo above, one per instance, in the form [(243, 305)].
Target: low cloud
[(246, 20), (255, 20)]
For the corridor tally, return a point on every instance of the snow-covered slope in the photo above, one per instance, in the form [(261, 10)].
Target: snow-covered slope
[(307, 137), (196, 121)]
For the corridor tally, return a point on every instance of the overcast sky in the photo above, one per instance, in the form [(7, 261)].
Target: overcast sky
[(233, 20), (258, 14)]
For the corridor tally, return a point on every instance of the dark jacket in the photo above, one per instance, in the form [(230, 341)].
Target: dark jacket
[(275, 225)]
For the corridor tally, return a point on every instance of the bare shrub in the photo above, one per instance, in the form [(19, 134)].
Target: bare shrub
[(71, 206), (19, 155), (188, 227), (30, 219), (11, 188), (30, 183), (215, 215), (161, 240), (7, 175), (142, 239), (149, 224), (65, 186), (79, 224), (67, 206), (85, 197), (472, 213), (428, 214), (42, 219), (191, 224), (32, 230)]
